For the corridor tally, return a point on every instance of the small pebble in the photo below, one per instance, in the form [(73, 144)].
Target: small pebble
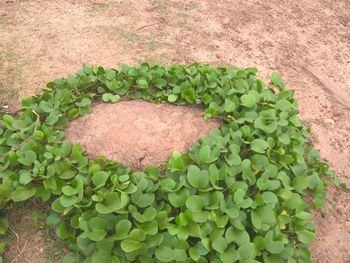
[(329, 121), (226, 21)]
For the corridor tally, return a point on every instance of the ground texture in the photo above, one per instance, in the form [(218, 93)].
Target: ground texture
[(139, 133), (307, 41)]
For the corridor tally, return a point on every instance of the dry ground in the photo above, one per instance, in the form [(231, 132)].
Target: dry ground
[(308, 41)]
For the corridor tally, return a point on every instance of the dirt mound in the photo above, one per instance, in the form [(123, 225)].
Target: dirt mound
[(139, 133)]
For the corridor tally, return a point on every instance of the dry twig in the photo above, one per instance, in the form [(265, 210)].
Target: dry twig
[(20, 251)]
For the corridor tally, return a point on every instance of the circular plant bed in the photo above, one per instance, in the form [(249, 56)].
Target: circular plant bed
[(242, 193)]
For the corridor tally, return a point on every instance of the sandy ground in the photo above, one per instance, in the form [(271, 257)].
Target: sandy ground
[(138, 133), (307, 41)]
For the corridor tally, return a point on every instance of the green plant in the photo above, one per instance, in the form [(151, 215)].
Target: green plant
[(4, 224), (239, 194)]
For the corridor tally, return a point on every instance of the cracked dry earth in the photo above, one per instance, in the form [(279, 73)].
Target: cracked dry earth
[(307, 41)]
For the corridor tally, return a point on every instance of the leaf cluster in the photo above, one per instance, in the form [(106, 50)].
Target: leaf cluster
[(241, 194)]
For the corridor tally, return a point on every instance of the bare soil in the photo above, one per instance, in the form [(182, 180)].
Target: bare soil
[(307, 41), (139, 133), (29, 238)]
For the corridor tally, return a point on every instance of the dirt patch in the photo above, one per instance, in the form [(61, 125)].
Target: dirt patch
[(29, 240), (139, 133), (335, 219), (43, 40)]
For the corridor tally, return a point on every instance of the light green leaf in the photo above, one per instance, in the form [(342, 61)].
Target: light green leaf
[(99, 178), (229, 105), (305, 236), (142, 83), (277, 80), (165, 254), (196, 177), (204, 153), (283, 105), (22, 194), (259, 145), (195, 203), (275, 247), (107, 97), (248, 100), (219, 244), (4, 224), (122, 228), (172, 97), (129, 245)]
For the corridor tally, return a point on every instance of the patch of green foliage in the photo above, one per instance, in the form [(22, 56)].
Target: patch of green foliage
[(242, 193)]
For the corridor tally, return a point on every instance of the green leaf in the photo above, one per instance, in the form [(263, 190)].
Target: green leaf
[(25, 178), (99, 178), (142, 200), (259, 161), (246, 251), (172, 97), (45, 106), (283, 105), (179, 198), (196, 177), (66, 148), (229, 105), (122, 228), (259, 145), (137, 234), (107, 97), (277, 80), (97, 223), (72, 81), (241, 86), (266, 215), (53, 219), (165, 254), (195, 203), (239, 196), (248, 100), (4, 224), (219, 244), (194, 253), (167, 184), (300, 183), (52, 118), (115, 98), (233, 159), (204, 153), (176, 163), (229, 256), (29, 158), (67, 174), (71, 257), (142, 83), (22, 194), (305, 236), (67, 201), (256, 220), (180, 255), (84, 102), (189, 95), (112, 203), (269, 198), (275, 247), (129, 245), (68, 190), (96, 235)]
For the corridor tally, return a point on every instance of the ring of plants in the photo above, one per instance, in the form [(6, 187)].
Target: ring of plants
[(243, 193)]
